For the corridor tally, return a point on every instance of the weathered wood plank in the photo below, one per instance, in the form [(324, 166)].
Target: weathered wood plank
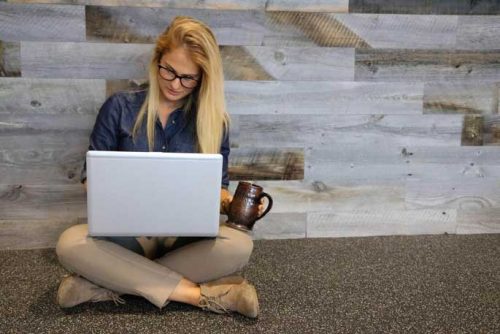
[(42, 166), (95, 60), (402, 31), (288, 63), (32, 234), (363, 164), (266, 164), (10, 59), (467, 194), (431, 65), (327, 130), (304, 196), (280, 226), (478, 156), (316, 97), (479, 32), (486, 220), (41, 22), (472, 132), (433, 7), (42, 202), (181, 4), (359, 223), (491, 130), (143, 25), (461, 97), (337, 6), (50, 96), (130, 61)]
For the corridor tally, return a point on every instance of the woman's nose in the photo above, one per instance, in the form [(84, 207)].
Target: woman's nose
[(176, 84)]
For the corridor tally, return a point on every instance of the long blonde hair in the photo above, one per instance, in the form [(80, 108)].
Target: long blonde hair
[(206, 102)]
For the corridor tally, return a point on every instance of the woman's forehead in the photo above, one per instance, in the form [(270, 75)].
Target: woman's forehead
[(181, 61)]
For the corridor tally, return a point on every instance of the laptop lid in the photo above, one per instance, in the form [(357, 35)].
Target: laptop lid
[(153, 194)]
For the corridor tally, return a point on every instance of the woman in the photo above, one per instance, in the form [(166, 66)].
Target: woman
[(183, 110)]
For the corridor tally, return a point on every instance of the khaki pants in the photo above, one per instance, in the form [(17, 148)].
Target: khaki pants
[(116, 268)]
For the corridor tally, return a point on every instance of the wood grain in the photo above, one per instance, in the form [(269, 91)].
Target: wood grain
[(472, 132), (460, 193), (45, 202), (479, 32), (327, 130), (266, 164), (402, 31), (10, 59), (337, 6), (32, 234), (380, 222), (143, 25), (486, 220), (95, 60), (41, 22), (181, 4), (306, 196), (354, 165), (462, 7), (323, 97), (460, 97), (431, 65), (280, 226)]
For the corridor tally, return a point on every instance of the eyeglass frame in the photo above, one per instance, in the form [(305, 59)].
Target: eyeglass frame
[(171, 70)]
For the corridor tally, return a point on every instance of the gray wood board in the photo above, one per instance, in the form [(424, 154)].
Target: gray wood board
[(266, 164), (280, 226), (28, 22), (431, 65), (478, 32), (460, 193), (363, 164), (340, 6), (377, 222), (10, 59), (288, 63), (316, 97), (402, 31), (31, 234), (95, 60), (279, 28), (433, 7), (463, 97), (327, 130), (181, 4), (305, 196), (130, 61), (50, 96), (42, 202), (143, 25), (485, 220)]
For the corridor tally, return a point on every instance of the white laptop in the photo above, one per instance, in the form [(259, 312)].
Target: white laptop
[(153, 193)]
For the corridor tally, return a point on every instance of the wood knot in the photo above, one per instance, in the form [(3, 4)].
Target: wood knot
[(319, 186)]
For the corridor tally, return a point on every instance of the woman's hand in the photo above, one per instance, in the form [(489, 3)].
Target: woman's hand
[(225, 200)]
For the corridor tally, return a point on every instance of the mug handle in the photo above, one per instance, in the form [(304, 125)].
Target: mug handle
[(269, 205)]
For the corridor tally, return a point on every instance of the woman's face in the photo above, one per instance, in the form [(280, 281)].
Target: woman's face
[(177, 62)]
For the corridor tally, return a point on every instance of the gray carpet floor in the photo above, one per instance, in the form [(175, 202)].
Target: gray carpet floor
[(397, 284)]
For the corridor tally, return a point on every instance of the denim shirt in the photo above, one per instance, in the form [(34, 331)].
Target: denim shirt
[(115, 121)]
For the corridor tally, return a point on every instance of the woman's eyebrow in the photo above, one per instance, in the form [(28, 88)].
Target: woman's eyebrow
[(189, 75)]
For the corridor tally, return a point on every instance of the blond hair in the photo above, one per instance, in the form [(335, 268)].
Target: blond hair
[(206, 102)]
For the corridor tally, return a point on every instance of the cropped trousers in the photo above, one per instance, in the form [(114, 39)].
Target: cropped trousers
[(155, 269)]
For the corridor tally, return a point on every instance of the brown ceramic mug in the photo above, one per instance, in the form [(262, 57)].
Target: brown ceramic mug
[(243, 211)]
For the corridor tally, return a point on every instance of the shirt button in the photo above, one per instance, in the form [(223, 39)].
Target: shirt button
[(163, 147), (173, 121)]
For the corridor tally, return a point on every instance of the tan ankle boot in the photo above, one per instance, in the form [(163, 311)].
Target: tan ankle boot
[(75, 290), (227, 294)]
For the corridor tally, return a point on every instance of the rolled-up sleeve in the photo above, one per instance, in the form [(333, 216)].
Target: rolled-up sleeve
[(224, 150), (104, 136)]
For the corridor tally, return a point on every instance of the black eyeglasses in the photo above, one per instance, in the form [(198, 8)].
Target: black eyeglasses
[(169, 74)]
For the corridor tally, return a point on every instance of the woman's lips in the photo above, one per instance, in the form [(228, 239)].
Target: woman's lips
[(173, 92)]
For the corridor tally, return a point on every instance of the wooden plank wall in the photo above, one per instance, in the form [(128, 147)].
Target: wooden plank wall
[(360, 117)]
